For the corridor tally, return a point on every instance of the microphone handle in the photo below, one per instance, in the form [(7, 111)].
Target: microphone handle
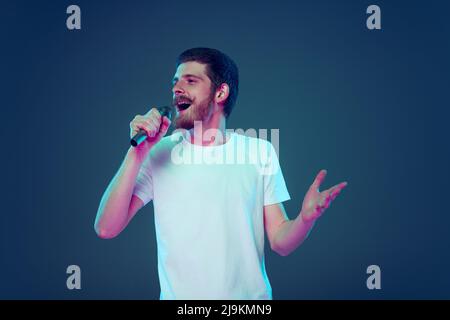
[(138, 138), (142, 134)]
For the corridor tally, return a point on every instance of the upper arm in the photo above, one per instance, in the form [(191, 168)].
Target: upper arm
[(274, 217), (135, 205)]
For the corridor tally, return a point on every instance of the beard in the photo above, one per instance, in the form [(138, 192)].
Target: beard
[(197, 112)]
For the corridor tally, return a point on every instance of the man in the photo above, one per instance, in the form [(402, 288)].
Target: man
[(211, 209)]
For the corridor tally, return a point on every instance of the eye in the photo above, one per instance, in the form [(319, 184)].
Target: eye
[(191, 81)]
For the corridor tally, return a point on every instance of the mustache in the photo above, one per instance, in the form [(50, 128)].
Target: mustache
[(179, 99)]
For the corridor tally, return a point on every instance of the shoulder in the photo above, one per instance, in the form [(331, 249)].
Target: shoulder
[(164, 147), (167, 143), (252, 141)]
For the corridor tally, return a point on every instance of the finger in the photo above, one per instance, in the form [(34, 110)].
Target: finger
[(135, 128), (165, 124), (325, 204), (318, 211), (143, 126), (152, 111), (334, 195), (153, 130), (322, 200), (156, 116), (328, 200), (148, 126), (164, 127), (155, 122), (135, 120), (319, 179), (337, 189)]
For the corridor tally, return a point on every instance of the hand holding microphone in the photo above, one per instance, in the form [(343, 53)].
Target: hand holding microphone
[(150, 127)]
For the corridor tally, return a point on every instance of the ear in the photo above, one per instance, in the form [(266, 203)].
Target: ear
[(222, 93)]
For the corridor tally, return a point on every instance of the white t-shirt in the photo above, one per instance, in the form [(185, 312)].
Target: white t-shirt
[(208, 204)]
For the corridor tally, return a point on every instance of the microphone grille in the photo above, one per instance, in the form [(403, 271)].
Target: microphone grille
[(166, 111)]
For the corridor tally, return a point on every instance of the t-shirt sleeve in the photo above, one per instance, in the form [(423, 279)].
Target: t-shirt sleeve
[(143, 187), (275, 190)]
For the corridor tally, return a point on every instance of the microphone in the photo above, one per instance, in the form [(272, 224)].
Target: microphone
[(142, 135)]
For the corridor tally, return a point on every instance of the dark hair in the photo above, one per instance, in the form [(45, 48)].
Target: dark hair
[(219, 68)]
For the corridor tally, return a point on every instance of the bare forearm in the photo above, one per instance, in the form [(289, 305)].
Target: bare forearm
[(112, 214), (291, 234)]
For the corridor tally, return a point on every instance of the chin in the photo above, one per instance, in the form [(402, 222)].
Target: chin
[(182, 123)]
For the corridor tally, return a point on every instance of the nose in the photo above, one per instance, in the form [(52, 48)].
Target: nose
[(177, 89)]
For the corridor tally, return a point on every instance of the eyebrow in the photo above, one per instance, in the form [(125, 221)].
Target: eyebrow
[(187, 76)]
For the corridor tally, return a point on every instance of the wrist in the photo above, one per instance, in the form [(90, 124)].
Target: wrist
[(138, 154)]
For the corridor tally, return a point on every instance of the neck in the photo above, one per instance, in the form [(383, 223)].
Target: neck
[(211, 131)]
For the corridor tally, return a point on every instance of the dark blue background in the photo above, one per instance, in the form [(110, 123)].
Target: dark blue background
[(369, 106)]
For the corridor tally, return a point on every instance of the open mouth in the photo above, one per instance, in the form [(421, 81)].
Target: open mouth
[(183, 106), (182, 103)]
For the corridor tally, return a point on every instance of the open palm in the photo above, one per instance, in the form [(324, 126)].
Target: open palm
[(316, 202)]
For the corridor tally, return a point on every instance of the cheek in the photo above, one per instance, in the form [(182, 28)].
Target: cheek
[(204, 93)]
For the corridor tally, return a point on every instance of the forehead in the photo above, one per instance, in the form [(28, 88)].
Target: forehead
[(191, 67)]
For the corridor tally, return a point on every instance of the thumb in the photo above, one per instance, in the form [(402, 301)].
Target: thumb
[(165, 124)]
